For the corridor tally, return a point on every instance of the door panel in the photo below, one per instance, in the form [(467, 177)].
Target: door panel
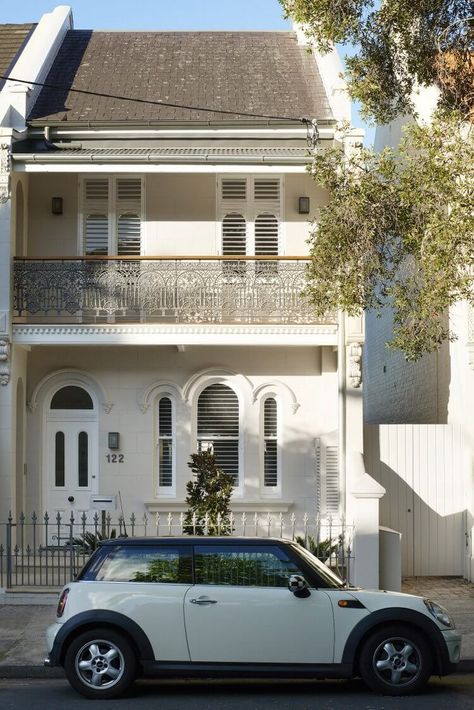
[(258, 625)]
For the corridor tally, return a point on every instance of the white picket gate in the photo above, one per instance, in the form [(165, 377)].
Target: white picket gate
[(425, 470)]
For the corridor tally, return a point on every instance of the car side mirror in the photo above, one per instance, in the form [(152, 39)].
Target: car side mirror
[(297, 585)]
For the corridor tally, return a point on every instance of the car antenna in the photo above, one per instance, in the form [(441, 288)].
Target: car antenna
[(123, 517)]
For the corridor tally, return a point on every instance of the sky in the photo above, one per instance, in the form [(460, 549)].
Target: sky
[(164, 15)]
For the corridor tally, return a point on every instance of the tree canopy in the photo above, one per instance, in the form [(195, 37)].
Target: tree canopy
[(399, 44), (398, 227)]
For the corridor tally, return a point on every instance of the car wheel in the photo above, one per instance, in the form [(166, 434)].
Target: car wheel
[(396, 660), (100, 664)]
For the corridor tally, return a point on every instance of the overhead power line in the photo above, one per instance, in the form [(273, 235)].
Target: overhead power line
[(158, 102)]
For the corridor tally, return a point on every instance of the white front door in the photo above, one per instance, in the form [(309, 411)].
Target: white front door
[(72, 467), (251, 616)]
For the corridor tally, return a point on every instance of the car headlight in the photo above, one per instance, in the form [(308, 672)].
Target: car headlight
[(440, 613)]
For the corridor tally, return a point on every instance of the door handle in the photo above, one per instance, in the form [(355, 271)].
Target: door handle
[(203, 601)]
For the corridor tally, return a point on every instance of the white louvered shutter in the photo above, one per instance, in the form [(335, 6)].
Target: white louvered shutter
[(327, 480), (218, 426), (234, 190), (267, 191), (129, 199), (165, 436), (332, 481), (270, 457), (234, 242), (96, 217), (266, 243)]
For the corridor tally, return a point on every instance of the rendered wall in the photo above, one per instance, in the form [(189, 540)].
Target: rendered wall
[(126, 372)]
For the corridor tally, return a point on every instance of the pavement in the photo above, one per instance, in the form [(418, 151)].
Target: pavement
[(24, 617)]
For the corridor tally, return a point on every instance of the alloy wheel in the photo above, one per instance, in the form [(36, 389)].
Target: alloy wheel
[(100, 664), (397, 661)]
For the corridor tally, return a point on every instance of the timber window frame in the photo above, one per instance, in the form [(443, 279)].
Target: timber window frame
[(270, 445), (166, 445)]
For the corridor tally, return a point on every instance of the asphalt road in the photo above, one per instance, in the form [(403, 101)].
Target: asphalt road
[(455, 693)]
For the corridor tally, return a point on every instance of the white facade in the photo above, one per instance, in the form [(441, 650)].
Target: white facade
[(163, 317)]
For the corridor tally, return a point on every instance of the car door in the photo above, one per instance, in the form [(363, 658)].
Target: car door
[(241, 611)]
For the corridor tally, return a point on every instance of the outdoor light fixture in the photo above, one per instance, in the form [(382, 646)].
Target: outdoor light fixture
[(303, 205), (56, 205), (114, 440)]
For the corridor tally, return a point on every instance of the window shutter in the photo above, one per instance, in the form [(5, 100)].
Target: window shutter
[(327, 479), (234, 235), (128, 235), (332, 480), (266, 235), (234, 189), (96, 220), (267, 190), (165, 435), (218, 426), (270, 427)]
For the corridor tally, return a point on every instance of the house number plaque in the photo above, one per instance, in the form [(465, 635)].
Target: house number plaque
[(115, 458)]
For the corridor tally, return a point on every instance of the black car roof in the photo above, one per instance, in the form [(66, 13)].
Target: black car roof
[(194, 539)]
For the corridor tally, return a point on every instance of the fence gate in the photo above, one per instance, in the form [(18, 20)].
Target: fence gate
[(424, 469)]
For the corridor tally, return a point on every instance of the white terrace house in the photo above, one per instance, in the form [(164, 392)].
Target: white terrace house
[(157, 257)]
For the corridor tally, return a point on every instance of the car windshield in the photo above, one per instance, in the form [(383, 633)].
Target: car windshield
[(331, 579)]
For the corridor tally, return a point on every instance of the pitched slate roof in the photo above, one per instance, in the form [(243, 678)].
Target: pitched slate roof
[(12, 40), (258, 72)]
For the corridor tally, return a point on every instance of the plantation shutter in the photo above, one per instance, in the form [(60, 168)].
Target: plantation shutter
[(96, 220), (234, 190), (165, 435), (129, 198), (267, 190), (218, 426), (234, 235), (332, 480), (270, 461), (327, 479)]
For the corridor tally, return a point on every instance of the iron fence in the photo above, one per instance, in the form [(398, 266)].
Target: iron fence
[(49, 551)]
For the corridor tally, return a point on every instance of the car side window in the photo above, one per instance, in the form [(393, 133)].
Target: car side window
[(243, 565), (134, 563)]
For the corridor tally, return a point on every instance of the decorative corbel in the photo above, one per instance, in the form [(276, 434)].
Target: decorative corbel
[(4, 362), (5, 169), (355, 364)]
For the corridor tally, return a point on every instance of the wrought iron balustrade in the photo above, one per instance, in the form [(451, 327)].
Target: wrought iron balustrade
[(163, 289)]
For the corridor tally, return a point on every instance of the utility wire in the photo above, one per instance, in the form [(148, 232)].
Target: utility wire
[(228, 112)]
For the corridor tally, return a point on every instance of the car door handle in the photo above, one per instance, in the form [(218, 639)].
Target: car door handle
[(203, 601)]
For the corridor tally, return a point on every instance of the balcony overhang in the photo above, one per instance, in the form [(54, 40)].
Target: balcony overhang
[(204, 334)]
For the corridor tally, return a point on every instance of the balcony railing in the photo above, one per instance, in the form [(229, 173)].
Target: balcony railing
[(236, 289)]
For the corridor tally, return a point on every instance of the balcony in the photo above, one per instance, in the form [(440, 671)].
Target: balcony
[(184, 290)]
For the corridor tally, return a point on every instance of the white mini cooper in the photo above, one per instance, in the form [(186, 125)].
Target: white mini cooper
[(247, 607)]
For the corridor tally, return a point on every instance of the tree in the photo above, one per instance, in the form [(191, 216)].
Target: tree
[(399, 44), (398, 227), (208, 496)]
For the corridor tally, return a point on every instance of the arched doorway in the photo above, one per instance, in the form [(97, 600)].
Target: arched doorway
[(72, 451)]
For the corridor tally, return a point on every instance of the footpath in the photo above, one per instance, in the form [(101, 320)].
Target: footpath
[(24, 617)]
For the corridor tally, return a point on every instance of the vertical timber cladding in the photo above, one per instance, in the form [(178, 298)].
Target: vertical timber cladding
[(423, 468)]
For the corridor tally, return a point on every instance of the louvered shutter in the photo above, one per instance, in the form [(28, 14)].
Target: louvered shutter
[(234, 242), (270, 459), (266, 243), (327, 480), (129, 198), (332, 481), (165, 435), (234, 190), (218, 426), (267, 190), (96, 216)]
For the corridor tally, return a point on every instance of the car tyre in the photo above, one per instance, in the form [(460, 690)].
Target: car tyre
[(396, 660), (100, 664)]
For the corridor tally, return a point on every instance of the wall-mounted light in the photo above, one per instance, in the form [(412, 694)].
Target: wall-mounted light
[(114, 440), (303, 205), (56, 205)]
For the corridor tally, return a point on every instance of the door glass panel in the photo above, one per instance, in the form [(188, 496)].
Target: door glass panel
[(143, 564), (59, 459), (83, 460), (243, 566)]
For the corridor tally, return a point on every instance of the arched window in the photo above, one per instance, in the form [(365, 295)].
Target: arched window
[(166, 443), (72, 397), (218, 426), (270, 443)]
